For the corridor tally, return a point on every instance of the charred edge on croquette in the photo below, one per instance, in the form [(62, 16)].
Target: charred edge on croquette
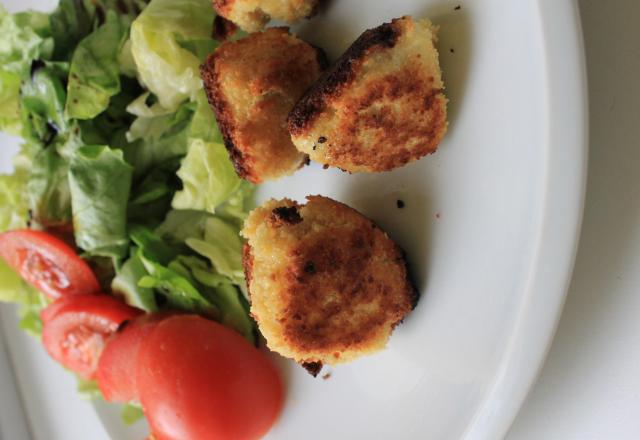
[(223, 29), (313, 368), (313, 102), (223, 113), (286, 215)]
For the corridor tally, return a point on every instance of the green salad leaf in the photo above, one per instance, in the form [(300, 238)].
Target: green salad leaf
[(168, 42), (10, 121), (131, 413), (48, 189), (94, 75), (126, 284), (222, 246), (157, 139), (25, 37), (100, 182), (42, 106), (208, 177), (14, 206)]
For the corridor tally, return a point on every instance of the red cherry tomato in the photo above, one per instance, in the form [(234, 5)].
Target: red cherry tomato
[(116, 374), (47, 263), (199, 380), (75, 329)]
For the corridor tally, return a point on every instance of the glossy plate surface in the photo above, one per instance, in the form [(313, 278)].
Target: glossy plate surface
[(490, 225)]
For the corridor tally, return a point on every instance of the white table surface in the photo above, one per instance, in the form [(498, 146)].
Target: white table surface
[(589, 387)]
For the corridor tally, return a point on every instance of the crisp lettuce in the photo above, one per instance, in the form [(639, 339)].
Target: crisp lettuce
[(10, 121), (100, 182), (222, 246), (131, 413), (126, 283), (208, 177), (14, 206), (73, 20), (42, 105), (94, 75), (25, 37), (155, 140), (48, 189), (168, 42)]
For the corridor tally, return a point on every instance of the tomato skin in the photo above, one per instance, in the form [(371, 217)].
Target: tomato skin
[(116, 374), (199, 380), (47, 263), (75, 329)]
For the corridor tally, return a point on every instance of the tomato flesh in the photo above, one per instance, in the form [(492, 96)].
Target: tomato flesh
[(200, 380), (116, 374), (76, 328), (47, 263)]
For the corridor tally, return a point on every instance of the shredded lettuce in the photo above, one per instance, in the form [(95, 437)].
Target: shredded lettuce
[(168, 42), (100, 182)]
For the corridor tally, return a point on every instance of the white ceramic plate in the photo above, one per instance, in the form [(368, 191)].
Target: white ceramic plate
[(490, 225)]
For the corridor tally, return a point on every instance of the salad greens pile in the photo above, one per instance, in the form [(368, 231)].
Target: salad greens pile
[(121, 150)]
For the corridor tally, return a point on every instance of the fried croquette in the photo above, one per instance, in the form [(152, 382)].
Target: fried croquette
[(252, 84), (326, 284), (253, 15), (381, 106)]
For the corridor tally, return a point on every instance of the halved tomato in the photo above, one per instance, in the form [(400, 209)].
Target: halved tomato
[(47, 263), (116, 374), (75, 329), (200, 380)]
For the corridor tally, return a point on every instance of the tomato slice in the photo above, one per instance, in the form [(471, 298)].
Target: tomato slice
[(47, 263), (200, 380), (116, 374), (75, 329)]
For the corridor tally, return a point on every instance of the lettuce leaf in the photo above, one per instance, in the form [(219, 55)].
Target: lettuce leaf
[(208, 177), (42, 105), (14, 207), (126, 284), (222, 246), (48, 189), (94, 75), (168, 42), (100, 182), (10, 121), (25, 37), (73, 20), (157, 139)]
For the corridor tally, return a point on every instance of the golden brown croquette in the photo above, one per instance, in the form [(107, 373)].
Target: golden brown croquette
[(326, 284), (252, 84), (381, 106), (253, 15)]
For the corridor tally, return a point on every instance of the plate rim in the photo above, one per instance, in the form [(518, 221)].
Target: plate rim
[(560, 228)]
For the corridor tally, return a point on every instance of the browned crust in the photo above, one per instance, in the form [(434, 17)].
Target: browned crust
[(243, 160), (340, 76), (247, 265), (285, 215), (313, 368), (223, 29), (223, 6), (339, 260), (223, 114)]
